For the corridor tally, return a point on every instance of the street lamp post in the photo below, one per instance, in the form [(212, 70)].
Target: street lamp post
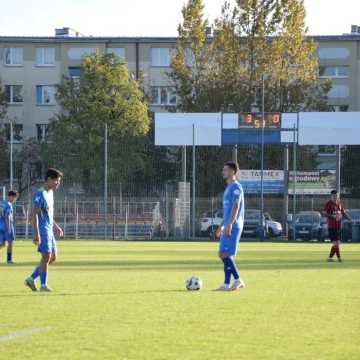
[(262, 229)]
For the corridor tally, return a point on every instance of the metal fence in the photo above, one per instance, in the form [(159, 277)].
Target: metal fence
[(148, 190)]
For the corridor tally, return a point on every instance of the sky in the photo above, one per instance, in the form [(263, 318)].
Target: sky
[(146, 17)]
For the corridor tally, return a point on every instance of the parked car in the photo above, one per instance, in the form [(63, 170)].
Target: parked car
[(210, 223), (275, 227), (308, 225), (347, 225), (252, 224)]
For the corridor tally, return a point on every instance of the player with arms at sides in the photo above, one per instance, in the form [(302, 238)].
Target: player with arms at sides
[(42, 219), (230, 230), (334, 212), (7, 233)]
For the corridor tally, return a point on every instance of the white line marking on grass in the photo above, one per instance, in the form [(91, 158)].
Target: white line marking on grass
[(22, 333)]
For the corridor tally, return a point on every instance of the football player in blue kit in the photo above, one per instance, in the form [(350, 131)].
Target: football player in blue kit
[(232, 226), (42, 219), (7, 233)]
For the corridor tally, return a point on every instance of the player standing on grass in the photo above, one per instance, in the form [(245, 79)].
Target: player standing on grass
[(232, 226), (42, 219), (7, 233), (334, 211)]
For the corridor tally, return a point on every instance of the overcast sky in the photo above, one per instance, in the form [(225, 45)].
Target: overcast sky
[(146, 17)]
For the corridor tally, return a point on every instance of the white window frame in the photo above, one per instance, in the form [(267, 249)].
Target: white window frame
[(44, 129), (331, 53), (339, 91), (43, 93), (15, 141), (156, 56), (168, 92), (336, 76), (189, 57), (42, 56), (12, 49), (12, 102)]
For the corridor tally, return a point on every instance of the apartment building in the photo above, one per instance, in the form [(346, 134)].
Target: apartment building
[(30, 67)]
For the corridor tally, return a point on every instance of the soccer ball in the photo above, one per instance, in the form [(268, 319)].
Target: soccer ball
[(193, 283)]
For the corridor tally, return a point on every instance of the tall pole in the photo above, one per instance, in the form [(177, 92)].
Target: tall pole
[(184, 163), (235, 153), (11, 153), (106, 179), (193, 182), (338, 169), (294, 176), (286, 188), (185, 196), (262, 230)]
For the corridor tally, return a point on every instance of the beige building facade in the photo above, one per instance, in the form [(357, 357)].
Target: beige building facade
[(30, 67)]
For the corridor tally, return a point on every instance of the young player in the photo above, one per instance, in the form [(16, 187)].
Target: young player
[(42, 219), (232, 226), (334, 211), (7, 233)]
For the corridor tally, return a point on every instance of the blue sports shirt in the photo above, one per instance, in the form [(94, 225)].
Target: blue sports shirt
[(6, 209), (44, 199), (234, 194)]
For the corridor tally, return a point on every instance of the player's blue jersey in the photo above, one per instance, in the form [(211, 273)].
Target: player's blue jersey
[(44, 199), (6, 209), (234, 193)]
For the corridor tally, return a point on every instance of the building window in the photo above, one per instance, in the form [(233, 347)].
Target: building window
[(14, 56), (120, 52), (339, 91), (45, 56), (42, 132), (74, 72), (189, 57), (334, 71), (14, 94), (163, 95), (17, 132), (160, 57), (333, 53), (342, 108), (45, 95), (76, 53), (327, 150)]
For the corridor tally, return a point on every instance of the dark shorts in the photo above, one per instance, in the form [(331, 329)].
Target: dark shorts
[(335, 234)]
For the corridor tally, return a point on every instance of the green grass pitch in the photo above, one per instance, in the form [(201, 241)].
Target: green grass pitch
[(127, 301)]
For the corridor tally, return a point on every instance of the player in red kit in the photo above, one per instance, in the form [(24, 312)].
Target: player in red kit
[(334, 212)]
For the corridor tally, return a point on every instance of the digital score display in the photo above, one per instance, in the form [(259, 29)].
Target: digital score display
[(255, 121)]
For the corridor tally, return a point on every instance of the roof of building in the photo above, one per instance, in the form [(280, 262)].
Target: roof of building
[(145, 39), (86, 38)]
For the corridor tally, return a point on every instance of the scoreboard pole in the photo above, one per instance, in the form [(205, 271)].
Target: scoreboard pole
[(193, 183), (262, 230)]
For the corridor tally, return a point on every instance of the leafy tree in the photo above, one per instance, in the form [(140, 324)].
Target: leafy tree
[(3, 143), (250, 37), (104, 94), (27, 160), (351, 170)]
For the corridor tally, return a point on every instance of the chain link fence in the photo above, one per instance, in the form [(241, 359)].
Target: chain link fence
[(149, 194)]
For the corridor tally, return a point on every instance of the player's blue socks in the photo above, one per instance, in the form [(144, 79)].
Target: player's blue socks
[(230, 269), (9, 256), (227, 271), (43, 278), (36, 273)]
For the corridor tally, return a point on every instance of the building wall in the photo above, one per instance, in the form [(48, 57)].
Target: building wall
[(334, 52)]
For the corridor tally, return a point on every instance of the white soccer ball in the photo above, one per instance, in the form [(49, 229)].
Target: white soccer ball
[(193, 283)]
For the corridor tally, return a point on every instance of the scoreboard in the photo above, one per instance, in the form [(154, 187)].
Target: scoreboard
[(255, 121)]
